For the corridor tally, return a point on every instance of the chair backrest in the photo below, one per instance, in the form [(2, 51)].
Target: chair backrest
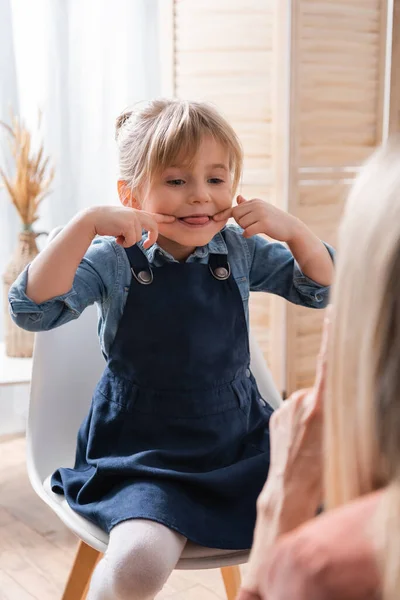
[(67, 363), (261, 372)]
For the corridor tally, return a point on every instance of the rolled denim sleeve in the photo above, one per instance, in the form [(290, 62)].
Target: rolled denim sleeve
[(94, 281), (275, 270)]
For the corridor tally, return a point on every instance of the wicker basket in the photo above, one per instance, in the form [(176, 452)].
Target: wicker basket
[(18, 342)]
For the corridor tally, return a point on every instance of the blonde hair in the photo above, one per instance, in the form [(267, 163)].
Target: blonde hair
[(152, 137), (362, 429)]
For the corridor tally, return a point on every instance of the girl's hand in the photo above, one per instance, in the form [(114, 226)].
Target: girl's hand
[(293, 490), (126, 224), (256, 216)]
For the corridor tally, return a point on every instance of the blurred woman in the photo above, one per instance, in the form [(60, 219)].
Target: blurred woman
[(352, 552)]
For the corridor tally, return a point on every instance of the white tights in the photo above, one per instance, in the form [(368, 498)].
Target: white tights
[(140, 557)]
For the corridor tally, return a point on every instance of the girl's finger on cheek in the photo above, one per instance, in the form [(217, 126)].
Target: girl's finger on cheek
[(224, 215), (163, 218), (240, 199)]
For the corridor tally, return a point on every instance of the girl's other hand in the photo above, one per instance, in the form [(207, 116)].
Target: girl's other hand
[(126, 224), (256, 216)]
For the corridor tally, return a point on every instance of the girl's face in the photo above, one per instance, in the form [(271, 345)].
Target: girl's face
[(193, 194)]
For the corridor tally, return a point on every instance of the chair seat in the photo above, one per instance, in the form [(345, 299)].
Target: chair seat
[(193, 556)]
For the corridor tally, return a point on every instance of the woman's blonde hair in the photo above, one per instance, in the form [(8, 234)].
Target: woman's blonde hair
[(362, 431), (154, 136)]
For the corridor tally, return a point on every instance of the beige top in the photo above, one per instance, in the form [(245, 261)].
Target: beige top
[(331, 557)]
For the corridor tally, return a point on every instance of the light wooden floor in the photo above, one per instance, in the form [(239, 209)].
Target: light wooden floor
[(36, 549)]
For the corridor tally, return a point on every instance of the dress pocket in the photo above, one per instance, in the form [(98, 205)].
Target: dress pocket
[(255, 416), (242, 391)]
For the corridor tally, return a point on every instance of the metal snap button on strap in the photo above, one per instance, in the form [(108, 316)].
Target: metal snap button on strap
[(262, 402), (221, 273), (144, 277), (248, 373)]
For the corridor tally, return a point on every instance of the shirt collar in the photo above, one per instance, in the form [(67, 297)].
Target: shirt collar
[(216, 246)]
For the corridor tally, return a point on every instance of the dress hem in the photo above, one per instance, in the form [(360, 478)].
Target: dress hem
[(206, 543)]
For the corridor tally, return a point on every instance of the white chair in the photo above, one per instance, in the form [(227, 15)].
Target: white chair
[(67, 364)]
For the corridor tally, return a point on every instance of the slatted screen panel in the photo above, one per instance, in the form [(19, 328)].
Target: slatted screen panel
[(337, 78), (239, 54), (223, 54)]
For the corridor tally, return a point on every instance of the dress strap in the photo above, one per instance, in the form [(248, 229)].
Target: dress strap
[(140, 267), (219, 266)]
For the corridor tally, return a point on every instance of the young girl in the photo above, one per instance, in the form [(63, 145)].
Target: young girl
[(176, 445)]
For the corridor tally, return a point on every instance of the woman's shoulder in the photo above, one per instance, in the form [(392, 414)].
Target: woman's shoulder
[(331, 557)]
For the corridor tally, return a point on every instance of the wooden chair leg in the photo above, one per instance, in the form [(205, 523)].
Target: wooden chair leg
[(85, 593), (82, 569), (231, 577)]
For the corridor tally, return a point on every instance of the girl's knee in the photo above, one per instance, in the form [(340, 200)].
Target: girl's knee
[(139, 574)]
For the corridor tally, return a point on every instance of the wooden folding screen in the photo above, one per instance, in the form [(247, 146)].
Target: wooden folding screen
[(336, 117), (303, 83)]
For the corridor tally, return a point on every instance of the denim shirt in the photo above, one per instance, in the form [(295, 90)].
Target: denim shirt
[(104, 276)]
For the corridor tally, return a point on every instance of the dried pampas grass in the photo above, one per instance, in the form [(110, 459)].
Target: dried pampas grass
[(33, 175)]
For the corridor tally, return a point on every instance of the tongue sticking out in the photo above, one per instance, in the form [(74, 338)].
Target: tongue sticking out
[(201, 220)]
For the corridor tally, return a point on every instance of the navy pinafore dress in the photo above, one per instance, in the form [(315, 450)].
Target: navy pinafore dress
[(177, 431)]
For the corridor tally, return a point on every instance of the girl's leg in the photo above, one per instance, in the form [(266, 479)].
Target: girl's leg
[(139, 559)]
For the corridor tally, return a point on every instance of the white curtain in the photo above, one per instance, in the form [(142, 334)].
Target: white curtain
[(80, 62)]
